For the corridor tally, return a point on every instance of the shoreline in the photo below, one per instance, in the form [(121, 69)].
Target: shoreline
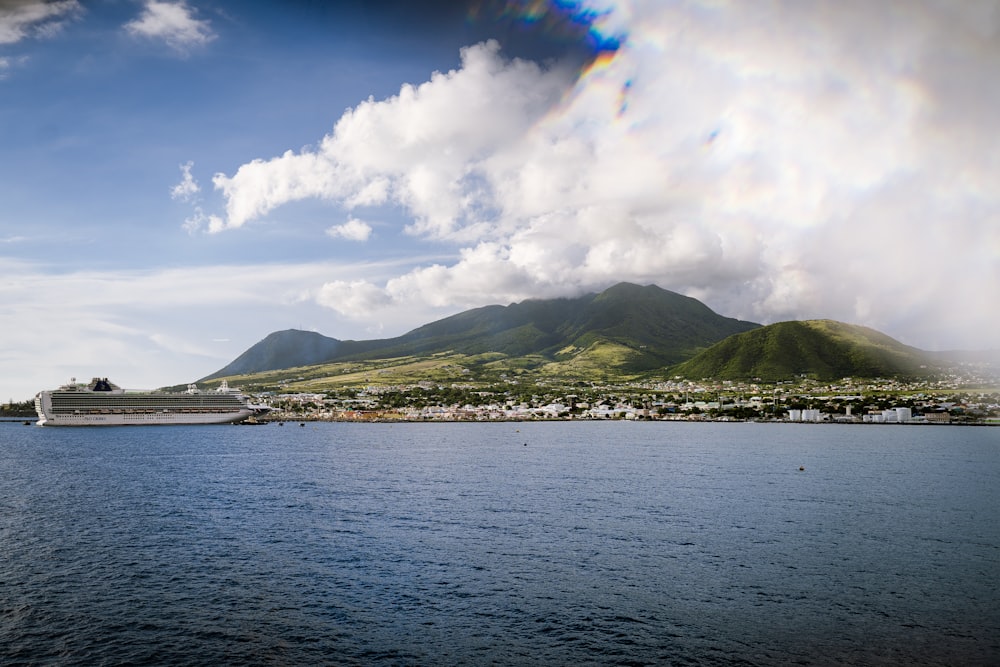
[(382, 420)]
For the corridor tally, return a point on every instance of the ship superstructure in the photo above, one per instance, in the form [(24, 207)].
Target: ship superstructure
[(101, 403)]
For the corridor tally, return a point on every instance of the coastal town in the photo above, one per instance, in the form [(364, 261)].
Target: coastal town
[(967, 398)]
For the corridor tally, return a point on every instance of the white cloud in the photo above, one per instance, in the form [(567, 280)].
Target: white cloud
[(421, 149), (355, 298), (152, 328), (188, 187), (200, 220), (788, 161), (173, 22), (352, 230), (20, 19)]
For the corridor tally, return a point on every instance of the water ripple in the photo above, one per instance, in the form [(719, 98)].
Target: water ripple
[(600, 544)]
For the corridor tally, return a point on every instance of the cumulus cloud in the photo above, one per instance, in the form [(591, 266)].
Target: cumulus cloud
[(782, 161), (354, 298), (352, 230), (199, 220), (20, 19), (173, 22), (422, 149), (188, 187)]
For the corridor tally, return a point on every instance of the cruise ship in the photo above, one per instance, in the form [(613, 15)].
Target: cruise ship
[(101, 403)]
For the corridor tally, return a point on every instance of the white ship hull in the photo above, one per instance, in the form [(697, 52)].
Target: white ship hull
[(125, 419)]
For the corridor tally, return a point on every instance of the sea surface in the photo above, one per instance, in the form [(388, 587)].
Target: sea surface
[(609, 543)]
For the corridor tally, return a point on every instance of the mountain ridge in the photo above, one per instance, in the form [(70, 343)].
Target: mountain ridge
[(658, 326), (624, 332), (820, 349)]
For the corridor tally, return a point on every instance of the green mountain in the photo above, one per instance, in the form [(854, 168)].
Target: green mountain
[(820, 349), (625, 332), (283, 349), (662, 327), (626, 329)]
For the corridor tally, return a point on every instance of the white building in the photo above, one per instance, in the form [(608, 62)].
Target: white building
[(808, 415), (890, 416)]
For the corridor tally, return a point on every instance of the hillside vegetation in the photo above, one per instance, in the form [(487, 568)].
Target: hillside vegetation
[(820, 349), (625, 330), (626, 333)]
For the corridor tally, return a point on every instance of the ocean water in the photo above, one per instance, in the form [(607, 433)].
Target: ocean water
[(506, 544)]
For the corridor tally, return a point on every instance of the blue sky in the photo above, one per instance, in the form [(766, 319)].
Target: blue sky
[(179, 179)]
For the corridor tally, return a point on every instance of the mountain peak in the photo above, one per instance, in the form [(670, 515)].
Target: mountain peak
[(822, 349), (281, 349), (649, 326)]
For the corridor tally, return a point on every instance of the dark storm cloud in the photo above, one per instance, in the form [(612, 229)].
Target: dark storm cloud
[(531, 30)]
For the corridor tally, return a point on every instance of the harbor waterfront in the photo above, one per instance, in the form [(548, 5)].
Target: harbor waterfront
[(887, 402), (608, 542)]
